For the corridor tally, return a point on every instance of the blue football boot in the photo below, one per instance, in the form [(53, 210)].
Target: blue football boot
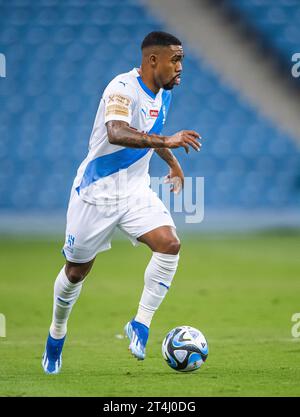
[(138, 334), (52, 357)]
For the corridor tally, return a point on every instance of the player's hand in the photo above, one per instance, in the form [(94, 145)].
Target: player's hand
[(175, 178), (184, 138)]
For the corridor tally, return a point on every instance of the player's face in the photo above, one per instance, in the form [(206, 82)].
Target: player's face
[(169, 66)]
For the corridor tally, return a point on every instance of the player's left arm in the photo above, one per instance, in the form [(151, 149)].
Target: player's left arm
[(176, 175)]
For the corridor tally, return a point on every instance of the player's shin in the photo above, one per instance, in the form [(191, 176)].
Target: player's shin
[(65, 296), (158, 278)]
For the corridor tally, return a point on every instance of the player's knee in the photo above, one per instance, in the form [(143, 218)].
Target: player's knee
[(76, 275), (77, 272), (172, 246)]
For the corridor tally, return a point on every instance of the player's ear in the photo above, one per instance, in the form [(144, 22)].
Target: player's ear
[(153, 60)]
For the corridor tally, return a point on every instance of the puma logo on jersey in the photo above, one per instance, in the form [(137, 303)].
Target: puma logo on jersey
[(152, 114)]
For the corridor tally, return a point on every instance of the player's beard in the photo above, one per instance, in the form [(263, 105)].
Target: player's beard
[(169, 85)]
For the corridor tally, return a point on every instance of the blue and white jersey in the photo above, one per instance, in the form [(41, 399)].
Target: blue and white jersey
[(112, 172)]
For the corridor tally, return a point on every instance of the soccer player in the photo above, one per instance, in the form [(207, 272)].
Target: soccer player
[(112, 189)]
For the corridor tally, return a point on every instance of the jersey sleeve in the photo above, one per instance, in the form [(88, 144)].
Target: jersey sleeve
[(119, 100)]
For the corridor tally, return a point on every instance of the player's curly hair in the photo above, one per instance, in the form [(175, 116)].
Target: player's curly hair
[(159, 38)]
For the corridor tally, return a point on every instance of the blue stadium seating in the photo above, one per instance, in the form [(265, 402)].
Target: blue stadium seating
[(278, 22), (61, 55)]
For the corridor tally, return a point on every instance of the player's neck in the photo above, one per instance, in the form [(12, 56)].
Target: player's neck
[(148, 80)]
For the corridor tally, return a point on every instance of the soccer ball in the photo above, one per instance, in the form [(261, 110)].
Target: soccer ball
[(185, 349)]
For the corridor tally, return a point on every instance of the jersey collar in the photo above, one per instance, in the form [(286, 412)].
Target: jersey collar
[(144, 87)]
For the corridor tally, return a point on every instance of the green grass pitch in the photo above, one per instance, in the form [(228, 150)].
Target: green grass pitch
[(240, 291)]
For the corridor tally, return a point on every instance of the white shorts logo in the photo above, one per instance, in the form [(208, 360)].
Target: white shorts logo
[(70, 241)]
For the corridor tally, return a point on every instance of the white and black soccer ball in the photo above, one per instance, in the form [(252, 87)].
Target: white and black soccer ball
[(185, 349)]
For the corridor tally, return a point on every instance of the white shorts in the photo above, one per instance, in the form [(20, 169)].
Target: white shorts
[(90, 227)]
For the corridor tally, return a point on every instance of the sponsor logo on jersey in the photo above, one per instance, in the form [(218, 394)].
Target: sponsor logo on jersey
[(117, 104), (153, 113), (150, 114)]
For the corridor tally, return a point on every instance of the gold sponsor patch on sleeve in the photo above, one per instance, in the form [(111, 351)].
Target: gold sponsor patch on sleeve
[(118, 99), (117, 105), (116, 109)]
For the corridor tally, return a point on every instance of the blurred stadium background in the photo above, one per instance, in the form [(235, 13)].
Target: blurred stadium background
[(237, 90)]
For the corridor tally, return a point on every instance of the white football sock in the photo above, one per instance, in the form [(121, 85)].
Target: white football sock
[(65, 296), (158, 278)]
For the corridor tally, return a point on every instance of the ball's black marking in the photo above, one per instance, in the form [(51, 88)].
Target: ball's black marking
[(189, 348)]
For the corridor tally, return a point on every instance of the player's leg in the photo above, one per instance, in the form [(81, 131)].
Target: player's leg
[(88, 232), (163, 239), (153, 226), (159, 274), (67, 288)]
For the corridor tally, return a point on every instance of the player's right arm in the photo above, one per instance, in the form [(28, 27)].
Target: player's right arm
[(120, 99), (120, 133)]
